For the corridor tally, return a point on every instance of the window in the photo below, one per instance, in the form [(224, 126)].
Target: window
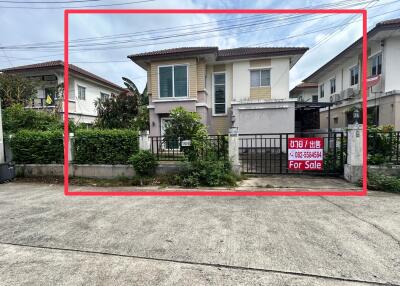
[(219, 94), (104, 96), (376, 64), (354, 75), (315, 98), (173, 81), (259, 78), (81, 92), (335, 120), (333, 85), (321, 91)]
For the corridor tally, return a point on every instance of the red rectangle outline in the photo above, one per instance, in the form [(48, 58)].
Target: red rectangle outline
[(363, 12)]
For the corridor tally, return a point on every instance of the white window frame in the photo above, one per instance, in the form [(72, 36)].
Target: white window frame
[(358, 74), (321, 95), (84, 87), (260, 69), (376, 56), (173, 81), (330, 85), (213, 96)]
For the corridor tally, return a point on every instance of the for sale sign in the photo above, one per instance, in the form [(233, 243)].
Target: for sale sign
[(305, 153)]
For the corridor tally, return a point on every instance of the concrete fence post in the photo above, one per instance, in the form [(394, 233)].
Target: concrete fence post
[(144, 140), (353, 168), (233, 150), (71, 142)]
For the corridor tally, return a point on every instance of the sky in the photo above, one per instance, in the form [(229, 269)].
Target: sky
[(31, 31)]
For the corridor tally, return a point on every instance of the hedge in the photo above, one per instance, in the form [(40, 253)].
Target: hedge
[(105, 146), (37, 147)]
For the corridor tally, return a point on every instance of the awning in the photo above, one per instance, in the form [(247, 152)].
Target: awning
[(373, 80)]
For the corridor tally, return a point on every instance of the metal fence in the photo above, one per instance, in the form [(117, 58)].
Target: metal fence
[(384, 147), (176, 149), (268, 153)]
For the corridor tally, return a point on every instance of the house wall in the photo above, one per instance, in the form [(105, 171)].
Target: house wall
[(392, 64), (87, 107), (305, 93)]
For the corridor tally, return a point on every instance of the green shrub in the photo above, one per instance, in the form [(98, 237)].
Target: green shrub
[(144, 162), (16, 117), (383, 183), (211, 173), (37, 147), (105, 146)]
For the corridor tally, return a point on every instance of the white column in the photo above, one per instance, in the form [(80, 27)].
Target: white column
[(233, 150), (353, 168), (71, 142), (144, 140), (2, 159)]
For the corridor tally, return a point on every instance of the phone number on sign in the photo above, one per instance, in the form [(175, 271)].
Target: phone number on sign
[(305, 154)]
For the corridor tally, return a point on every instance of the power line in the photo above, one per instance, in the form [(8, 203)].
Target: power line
[(47, 2), (76, 7), (254, 19), (114, 44)]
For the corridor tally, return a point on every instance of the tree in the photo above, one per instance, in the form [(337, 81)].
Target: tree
[(130, 85), (117, 112), (15, 89), (183, 124)]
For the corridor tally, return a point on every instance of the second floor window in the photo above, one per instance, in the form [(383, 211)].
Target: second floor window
[(333, 85), (259, 78), (321, 91), (173, 81), (315, 98), (354, 75), (81, 92), (219, 94), (104, 96), (376, 64)]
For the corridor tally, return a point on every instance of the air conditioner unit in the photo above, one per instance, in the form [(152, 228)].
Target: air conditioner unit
[(356, 92), (332, 99), (348, 93), (337, 97)]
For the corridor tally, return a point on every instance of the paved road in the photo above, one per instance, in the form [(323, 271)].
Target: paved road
[(49, 239)]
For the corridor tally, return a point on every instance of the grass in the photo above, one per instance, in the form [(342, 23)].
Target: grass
[(160, 181)]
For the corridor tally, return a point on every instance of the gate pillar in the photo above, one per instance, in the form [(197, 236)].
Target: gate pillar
[(353, 168), (144, 140), (233, 150)]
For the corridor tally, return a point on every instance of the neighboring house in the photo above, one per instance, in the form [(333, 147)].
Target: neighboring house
[(84, 88), (247, 88), (305, 92), (339, 80)]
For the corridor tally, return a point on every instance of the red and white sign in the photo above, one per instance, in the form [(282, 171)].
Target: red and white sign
[(305, 154)]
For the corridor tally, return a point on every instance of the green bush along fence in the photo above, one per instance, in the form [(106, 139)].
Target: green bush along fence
[(37, 147), (102, 146), (92, 146)]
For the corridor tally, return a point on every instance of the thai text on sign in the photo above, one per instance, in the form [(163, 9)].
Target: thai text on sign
[(305, 153)]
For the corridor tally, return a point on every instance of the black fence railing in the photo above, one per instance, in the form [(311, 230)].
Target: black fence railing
[(268, 153), (177, 149), (383, 147)]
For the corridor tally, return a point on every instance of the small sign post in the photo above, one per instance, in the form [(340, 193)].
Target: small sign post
[(306, 154)]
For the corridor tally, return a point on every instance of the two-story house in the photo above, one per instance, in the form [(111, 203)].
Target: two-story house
[(305, 92), (83, 90), (247, 88), (339, 80)]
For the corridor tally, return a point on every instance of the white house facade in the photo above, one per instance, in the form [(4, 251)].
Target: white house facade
[(339, 80), (83, 90)]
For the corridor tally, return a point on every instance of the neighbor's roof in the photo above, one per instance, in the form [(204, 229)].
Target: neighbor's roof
[(60, 64), (305, 85), (381, 26), (228, 54)]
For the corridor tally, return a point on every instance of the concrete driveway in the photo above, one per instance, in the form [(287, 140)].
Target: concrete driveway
[(49, 239)]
